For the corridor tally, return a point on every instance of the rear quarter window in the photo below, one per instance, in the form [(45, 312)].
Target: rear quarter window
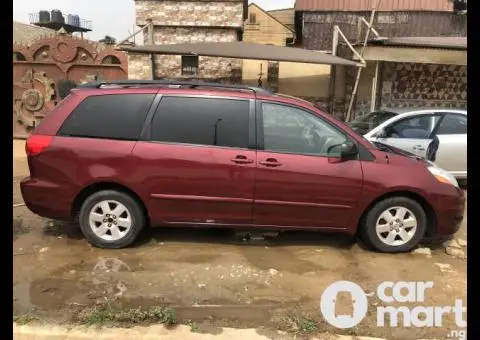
[(108, 116)]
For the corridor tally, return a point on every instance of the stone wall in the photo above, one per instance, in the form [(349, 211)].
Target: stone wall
[(180, 35), (139, 66), (177, 22), (190, 13), (208, 67)]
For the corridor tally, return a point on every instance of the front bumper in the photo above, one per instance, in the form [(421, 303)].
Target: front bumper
[(450, 212)]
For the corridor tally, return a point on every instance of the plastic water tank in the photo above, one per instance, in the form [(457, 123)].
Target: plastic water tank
[(74, 20), (44, 16), (57, 16)]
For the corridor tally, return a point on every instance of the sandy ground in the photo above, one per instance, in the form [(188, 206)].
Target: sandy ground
[(212, 279)]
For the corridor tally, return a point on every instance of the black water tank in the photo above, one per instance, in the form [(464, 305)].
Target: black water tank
[(74, 20), (44, 16), (57, 16)]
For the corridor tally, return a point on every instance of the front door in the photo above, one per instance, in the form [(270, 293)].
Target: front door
[(296, 184), (196, 165), (412, 134)]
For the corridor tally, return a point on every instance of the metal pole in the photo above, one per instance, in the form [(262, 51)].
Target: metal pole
[(373, 101), (359, 72), (151, 41), (333, 73)]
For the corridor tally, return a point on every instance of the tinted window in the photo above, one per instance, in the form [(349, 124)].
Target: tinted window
[(111, 116), (202, 121), (417, 127), (453, 125), (293, 130)]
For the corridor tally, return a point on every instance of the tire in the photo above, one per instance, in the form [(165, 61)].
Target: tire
[(112, 231), (403, 237)]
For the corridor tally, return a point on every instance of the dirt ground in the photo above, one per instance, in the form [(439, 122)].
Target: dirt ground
[(212, 280)]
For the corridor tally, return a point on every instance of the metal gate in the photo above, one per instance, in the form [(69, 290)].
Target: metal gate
[(38, 68)]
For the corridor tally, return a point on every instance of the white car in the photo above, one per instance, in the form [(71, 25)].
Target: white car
[(413, 130)]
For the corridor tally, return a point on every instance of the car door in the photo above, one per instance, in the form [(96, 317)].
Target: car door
[(412, 134), (452, 151), (195, 162), (296, 184)]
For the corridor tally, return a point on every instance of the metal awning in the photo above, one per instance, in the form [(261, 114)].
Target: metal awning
[(243, 50), (454, 43)]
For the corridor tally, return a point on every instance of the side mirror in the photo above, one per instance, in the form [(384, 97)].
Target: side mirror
[(381, 134), (343, 151)]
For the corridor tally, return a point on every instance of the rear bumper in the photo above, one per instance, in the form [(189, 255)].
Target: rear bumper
[(46, 199), (450, 211)]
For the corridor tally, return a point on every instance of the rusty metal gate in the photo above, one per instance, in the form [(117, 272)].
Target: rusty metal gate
[(38, 68)]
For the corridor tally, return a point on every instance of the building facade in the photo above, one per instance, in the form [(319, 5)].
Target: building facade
[(176, 22), (395, 76), (314, 20)]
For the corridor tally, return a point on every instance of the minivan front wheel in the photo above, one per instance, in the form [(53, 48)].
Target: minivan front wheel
[(393, 225), (111, 219)]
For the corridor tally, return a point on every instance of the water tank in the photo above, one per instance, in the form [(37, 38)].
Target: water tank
[(44, 16), (57, 16), (74, 20)]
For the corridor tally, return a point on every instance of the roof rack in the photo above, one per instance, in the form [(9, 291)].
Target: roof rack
[(179, 84)]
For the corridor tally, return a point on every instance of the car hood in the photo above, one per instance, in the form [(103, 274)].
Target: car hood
[(388, 149)]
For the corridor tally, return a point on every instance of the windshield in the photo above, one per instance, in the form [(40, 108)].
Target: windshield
[(364, 124)]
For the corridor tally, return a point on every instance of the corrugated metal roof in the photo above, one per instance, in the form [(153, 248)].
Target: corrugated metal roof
[(24, 34), (367, 5), (243, 50), (459, 43)]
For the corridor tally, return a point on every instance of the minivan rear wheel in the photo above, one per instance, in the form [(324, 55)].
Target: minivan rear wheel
[(393, 225), (111, 219)]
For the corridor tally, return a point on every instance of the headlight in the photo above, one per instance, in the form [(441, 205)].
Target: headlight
[(443, 176)]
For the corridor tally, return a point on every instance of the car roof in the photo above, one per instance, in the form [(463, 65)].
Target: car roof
[(420, 109), (186, 88)]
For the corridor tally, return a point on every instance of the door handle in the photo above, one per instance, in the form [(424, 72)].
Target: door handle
[(418, 147), (271, 162), (242, 160)]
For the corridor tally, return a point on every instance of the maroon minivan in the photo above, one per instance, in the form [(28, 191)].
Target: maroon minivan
[(118, 156)]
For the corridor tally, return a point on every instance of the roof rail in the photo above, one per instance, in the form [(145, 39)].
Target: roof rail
[(187, 84)]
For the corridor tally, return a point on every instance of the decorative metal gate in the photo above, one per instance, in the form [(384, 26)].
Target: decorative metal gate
[(38, 68)]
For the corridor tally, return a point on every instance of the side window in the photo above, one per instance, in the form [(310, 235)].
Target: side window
[(418, 127), (119, 116), (202, 121), (453, 124), (293, 130)]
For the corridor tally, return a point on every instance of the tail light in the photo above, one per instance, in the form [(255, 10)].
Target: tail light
[(37, 144)]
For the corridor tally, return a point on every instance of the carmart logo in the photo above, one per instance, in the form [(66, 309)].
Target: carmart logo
[(328, 304), (388, 292)]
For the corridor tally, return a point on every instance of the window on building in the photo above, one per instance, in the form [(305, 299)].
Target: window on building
[(202, 121), (189, 65), (110, 116), (252, 18)]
